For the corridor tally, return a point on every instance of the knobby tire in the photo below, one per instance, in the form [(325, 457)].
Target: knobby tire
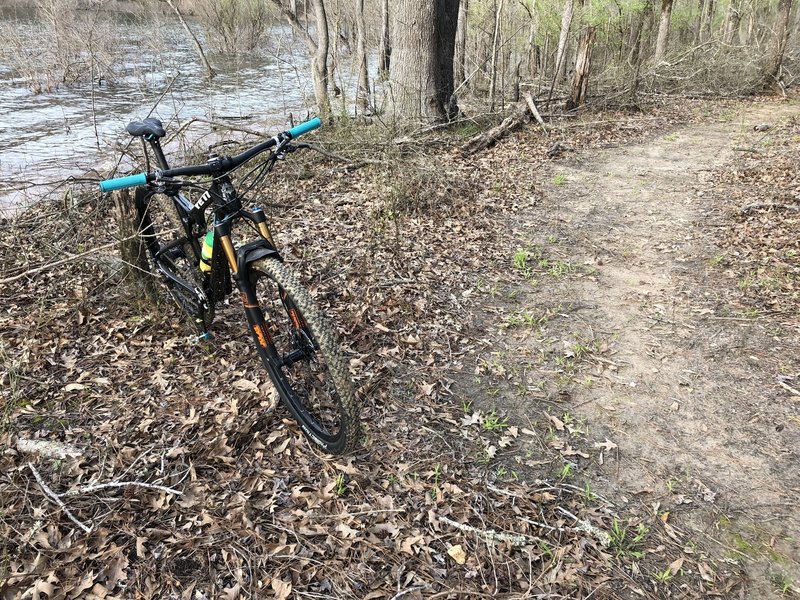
[(319, 393)]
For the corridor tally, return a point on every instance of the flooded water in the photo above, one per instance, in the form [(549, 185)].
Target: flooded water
[(66, 132)]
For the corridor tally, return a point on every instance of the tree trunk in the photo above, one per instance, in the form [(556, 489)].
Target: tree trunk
[(446, 27), (459, 62), (778, 46), (533, 49), (636, 57), (498, 15), (561, 51), (415, 67), (732, 19), (663, 31), (583, 65), (209, 71), (320, 66), (707, 20), (318, 49), (131, 247), (385, 52), (362, 96), (423, 34)]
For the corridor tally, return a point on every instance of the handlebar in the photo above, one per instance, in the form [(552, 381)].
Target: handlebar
[(219, 165)]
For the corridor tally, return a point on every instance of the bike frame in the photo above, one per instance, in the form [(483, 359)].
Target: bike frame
[(227, 208)]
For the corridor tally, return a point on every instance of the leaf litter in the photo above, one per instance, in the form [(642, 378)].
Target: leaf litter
[(230, 500)]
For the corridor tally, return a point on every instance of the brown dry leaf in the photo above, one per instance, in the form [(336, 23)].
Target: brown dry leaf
[(245, 385), (282, 589), (457, 554), (557, 423), (408, 544), (676, 565)]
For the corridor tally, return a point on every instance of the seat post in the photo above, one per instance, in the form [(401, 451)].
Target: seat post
[(156, 146)]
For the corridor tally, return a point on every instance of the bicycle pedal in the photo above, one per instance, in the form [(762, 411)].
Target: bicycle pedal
[(203, 337)]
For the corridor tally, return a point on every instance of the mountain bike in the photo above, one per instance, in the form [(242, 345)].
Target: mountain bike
[(295, 343)]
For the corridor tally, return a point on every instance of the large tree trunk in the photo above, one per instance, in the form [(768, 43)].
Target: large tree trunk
[(446, 28), (778, 46), (320, 66), (583, 65), (663, 31), (561, 51), (459, 62), (421, 71), (362, 96)]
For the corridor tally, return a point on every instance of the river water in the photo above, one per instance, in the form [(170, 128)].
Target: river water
[(68, 131)]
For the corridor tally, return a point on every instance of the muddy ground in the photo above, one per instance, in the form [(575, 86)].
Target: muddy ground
[(637, 327)]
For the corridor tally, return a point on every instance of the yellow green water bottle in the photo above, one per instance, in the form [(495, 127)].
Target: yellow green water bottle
[(207, 251)]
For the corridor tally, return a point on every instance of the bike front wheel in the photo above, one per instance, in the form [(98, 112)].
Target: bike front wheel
[(306, 367)]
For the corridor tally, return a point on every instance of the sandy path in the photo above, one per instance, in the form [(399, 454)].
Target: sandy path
[(688, 387)]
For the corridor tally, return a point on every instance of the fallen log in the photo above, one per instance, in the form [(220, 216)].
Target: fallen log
[(522, 115)]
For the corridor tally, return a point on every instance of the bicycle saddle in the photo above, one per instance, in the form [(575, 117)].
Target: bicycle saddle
[(148, 127)]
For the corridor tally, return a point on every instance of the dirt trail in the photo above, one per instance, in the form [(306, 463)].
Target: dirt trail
[(686, 383)]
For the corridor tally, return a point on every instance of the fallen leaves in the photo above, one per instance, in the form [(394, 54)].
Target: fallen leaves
[(262, 514)]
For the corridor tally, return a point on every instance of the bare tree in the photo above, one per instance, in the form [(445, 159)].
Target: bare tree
[(385, 52), (459, 62), (362, 95), (201, 54), (778, 47), (583, 65), (498, 15), (318, 49), (563, 37), (663, 31), (732, 20)]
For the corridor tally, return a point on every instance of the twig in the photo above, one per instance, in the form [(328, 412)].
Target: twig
[(789, 388), (759, 205), (63, 261), (416, 588), (362, 162), (238, 128), (54, 498), (535, 111), (117, 484), (583, 525), (490, 535)]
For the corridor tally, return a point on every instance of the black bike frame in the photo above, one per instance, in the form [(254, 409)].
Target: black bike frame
[(227, 207)]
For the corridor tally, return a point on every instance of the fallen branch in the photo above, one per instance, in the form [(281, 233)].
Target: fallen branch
[(489, 138), (490, 535), (789, 388), (55, 499), (119, 484), (747, 208), (535, 111), (602, 536), (63, 261), (48, 448)]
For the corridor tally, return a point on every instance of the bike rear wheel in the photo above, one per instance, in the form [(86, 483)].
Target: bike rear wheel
[(308, 370), (171, 250)]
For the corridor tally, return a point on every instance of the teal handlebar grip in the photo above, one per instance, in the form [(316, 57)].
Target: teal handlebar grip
[(109, 185), (299, 130)]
